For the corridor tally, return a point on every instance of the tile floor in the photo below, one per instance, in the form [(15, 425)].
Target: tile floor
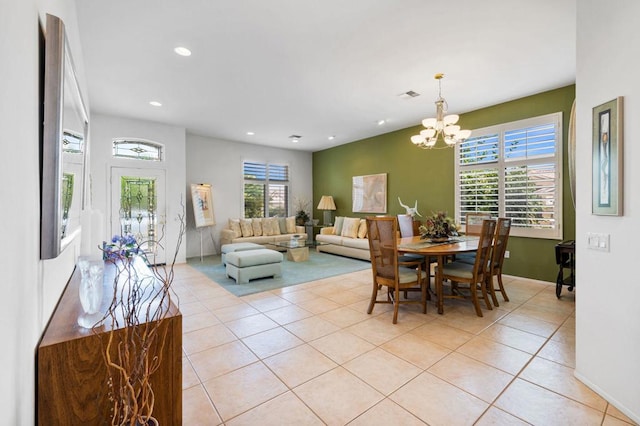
[(310, 355)]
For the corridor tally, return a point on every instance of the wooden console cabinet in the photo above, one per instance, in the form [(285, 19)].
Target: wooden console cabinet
[(71, 375)]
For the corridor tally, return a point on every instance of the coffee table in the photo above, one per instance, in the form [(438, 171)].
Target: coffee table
[(298, 250)]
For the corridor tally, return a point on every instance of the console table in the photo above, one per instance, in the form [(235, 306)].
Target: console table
[(71, 375)]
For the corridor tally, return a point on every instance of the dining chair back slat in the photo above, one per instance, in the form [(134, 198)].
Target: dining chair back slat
[(405, 222), (473, 222), (501, 239)]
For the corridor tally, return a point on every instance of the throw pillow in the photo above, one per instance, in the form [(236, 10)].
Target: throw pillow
[(276, 225), (234, 225), (256, 224), (270, 226), (291, 225), (282, 225), (350, 227), (246, 228), (362, 229), (337, 226), (266, 226)]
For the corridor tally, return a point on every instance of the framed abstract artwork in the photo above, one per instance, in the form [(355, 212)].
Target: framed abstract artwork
[(607, 159), (202, 204), (369, 193)]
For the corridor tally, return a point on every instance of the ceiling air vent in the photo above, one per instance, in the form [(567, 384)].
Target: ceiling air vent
[(409, 94)]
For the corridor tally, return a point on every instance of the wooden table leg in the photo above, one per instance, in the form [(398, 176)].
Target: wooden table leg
[(439, 284)]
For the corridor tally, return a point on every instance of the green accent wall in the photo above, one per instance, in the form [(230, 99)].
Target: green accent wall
[(428, 175)]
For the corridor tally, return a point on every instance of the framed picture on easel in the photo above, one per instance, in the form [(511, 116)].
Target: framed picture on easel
[(202, 204)]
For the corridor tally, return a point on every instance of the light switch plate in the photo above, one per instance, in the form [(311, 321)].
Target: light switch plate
[(598, 241)]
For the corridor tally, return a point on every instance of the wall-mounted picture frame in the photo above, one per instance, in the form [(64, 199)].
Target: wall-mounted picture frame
[(202, 198), (369, 193), (607, 158)]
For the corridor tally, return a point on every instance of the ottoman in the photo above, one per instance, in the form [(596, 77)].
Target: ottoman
[(251, 264), (230, 248)]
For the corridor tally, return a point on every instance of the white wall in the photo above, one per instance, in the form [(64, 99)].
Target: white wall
[(104, 129), (30, 287), (607, 311), (219, 163)]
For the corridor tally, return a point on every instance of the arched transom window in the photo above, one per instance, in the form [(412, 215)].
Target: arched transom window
[(137, 149)]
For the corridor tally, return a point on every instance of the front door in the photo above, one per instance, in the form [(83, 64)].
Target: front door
[(138, 208)]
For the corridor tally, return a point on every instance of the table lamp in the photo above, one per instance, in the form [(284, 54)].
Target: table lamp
[(327, 204)]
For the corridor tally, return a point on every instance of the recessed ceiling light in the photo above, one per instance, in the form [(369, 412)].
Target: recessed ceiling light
[(182, 51), (295, 138), (155, 103), (381, 122), (331, 138), (250, 133)]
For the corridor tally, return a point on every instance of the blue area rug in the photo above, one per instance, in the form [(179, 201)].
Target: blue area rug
[(319, 265)]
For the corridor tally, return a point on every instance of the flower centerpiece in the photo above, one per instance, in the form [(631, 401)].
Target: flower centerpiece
[(121, 247), (438, 227)]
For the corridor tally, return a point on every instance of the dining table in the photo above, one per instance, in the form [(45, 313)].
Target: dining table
[(441, 250)]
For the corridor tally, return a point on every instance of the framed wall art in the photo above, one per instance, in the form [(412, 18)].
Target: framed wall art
[(369, 193), (607, 159), (202, 204)]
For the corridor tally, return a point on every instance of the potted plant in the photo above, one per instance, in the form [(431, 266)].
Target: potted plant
[(141, 302), (302, 217)]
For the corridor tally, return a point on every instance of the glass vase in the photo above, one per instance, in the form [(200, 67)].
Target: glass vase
[(90, 291)]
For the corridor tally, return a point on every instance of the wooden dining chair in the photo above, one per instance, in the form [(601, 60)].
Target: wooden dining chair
[(405, 223), (386, 269), (473, 222), (474, 275), (473, 227), (500, 240)]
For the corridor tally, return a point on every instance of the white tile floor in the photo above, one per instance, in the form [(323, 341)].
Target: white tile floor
[(309, 354)]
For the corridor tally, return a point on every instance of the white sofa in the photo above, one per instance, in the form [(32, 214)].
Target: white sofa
[(260, 231), (348, 237)]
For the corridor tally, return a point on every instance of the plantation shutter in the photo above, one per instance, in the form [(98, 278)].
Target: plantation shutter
[(266, 189), (513, 170), (478, 184), (530, 184)]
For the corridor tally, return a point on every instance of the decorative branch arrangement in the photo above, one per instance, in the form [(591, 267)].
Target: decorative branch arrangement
[(141, 301)]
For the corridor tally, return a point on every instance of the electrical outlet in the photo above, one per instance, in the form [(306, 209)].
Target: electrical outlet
[(506, 254)]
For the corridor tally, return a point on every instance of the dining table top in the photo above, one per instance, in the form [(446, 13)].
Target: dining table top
[(457, 244)]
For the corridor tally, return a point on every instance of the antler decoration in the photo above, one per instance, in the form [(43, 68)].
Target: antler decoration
[(411, 211)]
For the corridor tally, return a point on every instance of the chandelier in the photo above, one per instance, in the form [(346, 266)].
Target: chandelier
[(442, 125)]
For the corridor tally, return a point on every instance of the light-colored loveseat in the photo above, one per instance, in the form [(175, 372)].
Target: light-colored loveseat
[(261, 231), (348, 237)]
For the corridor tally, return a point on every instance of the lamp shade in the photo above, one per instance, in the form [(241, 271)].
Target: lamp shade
[(326, 203)]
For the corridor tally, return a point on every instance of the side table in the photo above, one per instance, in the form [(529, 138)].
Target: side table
[(312, 230), (565, 258)]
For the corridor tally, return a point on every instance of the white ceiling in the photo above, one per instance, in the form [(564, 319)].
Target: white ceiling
[(317, 68)]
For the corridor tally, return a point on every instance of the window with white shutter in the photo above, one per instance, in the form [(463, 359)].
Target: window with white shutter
[(514, 170), (266, 189)]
